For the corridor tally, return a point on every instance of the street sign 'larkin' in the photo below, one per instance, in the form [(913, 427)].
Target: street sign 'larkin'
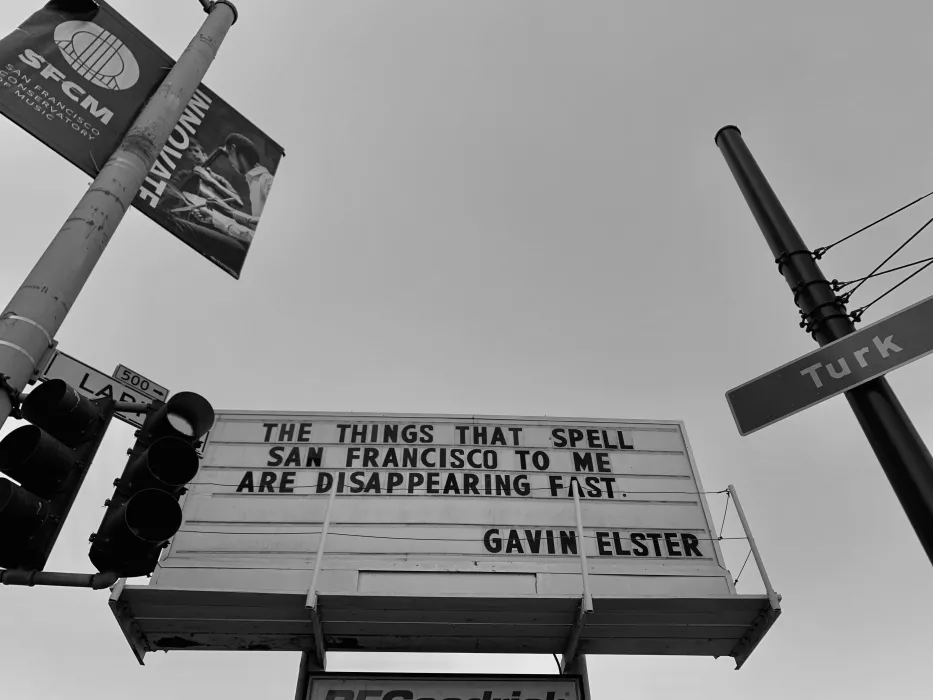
[(94, 384), (835, 368)]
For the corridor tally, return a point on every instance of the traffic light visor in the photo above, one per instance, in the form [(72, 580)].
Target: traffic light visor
[(189, 414), (36, 460), (60, 410)]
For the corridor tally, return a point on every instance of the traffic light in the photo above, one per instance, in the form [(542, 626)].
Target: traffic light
[(49, 459), (143, 513)]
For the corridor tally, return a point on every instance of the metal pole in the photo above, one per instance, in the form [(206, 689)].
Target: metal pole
[(304, 676), (903, 456), (587, 595), (578, 667), (21, 577), (772, 596), (36, 312), (311, 600)]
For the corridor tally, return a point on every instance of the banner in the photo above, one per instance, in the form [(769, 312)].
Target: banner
[(76, 74)]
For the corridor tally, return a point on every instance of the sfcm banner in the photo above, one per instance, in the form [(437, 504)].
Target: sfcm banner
[(76, 74)]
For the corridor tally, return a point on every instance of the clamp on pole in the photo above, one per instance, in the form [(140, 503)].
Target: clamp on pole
[(16, 396)]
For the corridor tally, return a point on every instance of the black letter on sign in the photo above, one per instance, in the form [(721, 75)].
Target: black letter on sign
[(522, 456), (286, 482), (602, 462), (582, 463), (340, 695), (267, 481), (246, 483), (324, 482), (638, 540), (690, 545), (603, 544), (492, 541)]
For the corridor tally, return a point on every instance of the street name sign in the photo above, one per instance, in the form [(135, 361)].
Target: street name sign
[(442, 686), (95, 384), (868, 353), (444, 533), (154, 391)]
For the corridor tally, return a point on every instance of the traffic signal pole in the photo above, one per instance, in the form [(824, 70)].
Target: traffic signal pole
[(904, 457), (38, 308)]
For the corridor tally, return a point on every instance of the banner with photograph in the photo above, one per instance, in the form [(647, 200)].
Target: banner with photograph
[(76, 74)]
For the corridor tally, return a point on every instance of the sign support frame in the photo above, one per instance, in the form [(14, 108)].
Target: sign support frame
[(897, 445), (38, 308)]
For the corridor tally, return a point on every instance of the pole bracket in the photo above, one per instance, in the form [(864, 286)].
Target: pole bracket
[(798, 288), (784, 257), (810, 324), (16, 396)]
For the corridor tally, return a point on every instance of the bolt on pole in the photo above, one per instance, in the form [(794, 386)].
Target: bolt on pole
[(38, 308), (903, 456)]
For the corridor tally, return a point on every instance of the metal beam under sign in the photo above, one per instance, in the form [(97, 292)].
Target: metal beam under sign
[(844, 364), (95, 384), (154, 391)]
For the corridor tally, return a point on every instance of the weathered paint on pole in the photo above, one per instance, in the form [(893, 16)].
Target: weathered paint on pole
[(39, 307)]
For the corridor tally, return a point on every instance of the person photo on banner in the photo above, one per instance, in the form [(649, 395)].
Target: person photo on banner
[(244, 157), (212, 185), (197, 194), (210, 202)]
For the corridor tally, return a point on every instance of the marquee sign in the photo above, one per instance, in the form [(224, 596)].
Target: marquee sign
[(442, 529)]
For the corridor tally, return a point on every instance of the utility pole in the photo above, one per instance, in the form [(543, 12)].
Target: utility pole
[(37, 310), (904, 457)]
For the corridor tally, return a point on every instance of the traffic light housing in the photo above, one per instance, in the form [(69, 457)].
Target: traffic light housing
[(143, 513), (49, 459)]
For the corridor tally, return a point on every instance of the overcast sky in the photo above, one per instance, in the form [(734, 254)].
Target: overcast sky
[(516, 207)]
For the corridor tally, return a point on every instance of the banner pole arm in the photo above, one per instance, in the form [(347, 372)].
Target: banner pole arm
[(38, 308)]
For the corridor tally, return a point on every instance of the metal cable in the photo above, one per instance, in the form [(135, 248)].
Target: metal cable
[(899, 249), (728, 498), (837, 285), (736, 582), (857, 314), (391, 537), (820, 252), (424, 489)]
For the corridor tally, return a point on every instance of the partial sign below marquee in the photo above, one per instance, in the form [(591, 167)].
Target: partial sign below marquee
[(407, 686), (444, 533)]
